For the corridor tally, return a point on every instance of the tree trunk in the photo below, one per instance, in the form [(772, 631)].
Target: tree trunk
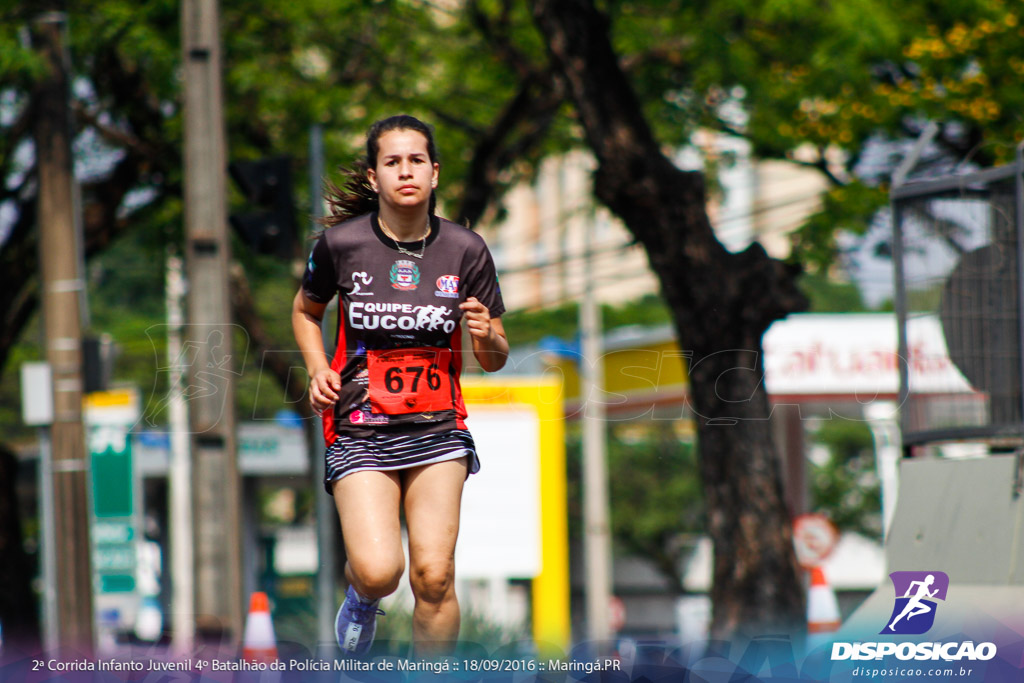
[(722, 303)]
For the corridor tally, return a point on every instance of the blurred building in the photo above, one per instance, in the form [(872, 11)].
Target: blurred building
[(549, 226)]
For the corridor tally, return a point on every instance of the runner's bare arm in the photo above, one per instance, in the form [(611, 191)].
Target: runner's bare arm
[(490, 345), (324, 383)]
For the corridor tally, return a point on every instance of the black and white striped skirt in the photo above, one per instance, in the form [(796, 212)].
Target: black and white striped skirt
[(388, 452)]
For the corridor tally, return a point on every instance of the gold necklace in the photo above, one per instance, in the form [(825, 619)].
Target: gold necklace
[(401, 249)]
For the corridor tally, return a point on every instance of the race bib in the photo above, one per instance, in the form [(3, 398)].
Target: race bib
[(416, 380)]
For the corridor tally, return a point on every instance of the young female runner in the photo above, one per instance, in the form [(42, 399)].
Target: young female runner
[(390, 398)]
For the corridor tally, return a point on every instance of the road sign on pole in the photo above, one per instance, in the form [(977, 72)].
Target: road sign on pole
[(115, 512)]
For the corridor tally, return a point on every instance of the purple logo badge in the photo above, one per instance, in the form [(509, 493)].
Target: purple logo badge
[(916, 595)]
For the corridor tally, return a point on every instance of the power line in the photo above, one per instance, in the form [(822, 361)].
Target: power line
[(568, 258)]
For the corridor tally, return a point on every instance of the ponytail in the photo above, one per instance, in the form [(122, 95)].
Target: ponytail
[(354, 197)]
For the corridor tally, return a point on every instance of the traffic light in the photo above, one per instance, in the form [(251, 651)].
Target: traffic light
[(267, 184), (98, 355)]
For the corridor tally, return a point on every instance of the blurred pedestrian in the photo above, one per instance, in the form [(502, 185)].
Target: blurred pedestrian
[(390, 399)]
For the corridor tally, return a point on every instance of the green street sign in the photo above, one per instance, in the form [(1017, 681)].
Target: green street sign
[(114, 558), (117, 583), (111, 473), (112, 531), (113, 507)]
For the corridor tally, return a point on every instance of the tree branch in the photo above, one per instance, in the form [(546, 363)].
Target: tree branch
[(243, 307), (101, 222), (821, 165), (115, 136), (13, 136), (520, 127), (497, 36)]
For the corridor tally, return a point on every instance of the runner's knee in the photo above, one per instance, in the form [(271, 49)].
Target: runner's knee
[(376, 578), (433, 581)]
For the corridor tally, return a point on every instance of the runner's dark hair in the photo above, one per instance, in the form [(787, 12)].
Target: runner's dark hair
[(355, 196)]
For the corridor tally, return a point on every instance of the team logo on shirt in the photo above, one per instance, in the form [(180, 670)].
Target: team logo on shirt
[(448, 287), (405, 275), (367, 417), (360, 280), (393, 316)]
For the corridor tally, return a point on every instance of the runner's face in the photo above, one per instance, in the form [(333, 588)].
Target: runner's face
[(404, 176)]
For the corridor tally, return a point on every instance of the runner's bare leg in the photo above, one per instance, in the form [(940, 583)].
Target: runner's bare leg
[(433, 497), (368, 506)]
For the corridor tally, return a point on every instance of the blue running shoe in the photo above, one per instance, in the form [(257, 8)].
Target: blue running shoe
[(356, 623)]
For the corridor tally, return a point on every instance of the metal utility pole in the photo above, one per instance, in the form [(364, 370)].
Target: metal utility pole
[(597, 544), (216, 494), (63, 287), (327, 524), (180, 478)]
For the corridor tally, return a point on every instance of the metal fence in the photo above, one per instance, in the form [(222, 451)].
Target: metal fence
[(957, 247)]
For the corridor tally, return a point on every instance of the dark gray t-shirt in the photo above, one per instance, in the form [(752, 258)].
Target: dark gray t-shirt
[(399, 336)]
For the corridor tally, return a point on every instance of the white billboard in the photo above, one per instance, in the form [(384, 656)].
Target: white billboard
[(842, 354), (500, 525)]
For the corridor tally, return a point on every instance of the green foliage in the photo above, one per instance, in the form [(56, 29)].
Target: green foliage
[(295, 621), (845, 486), (747, 67), (29, 349), (126, 301), (654, 486), (127, 277), (529, 327), (126, 287), (649, 310), (881, 66), (394, 632), (260, 396), (814, 82), (694, 62), (288, 65), (18, 63), (845, 209), (831, 296), (654, 490)]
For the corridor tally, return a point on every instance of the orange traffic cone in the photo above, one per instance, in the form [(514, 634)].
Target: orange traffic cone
[(822, 610), (258, 642)]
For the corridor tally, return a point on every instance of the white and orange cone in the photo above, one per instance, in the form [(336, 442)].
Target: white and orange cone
[(258, 642), (822, 610)]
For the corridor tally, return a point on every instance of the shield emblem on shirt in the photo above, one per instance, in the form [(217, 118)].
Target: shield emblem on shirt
[(405, 275)]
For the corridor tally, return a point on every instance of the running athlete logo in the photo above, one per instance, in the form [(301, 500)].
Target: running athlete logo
[(916, 593), (360, 280), (405, 275)]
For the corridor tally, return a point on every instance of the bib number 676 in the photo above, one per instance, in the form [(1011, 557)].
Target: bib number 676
[(396, 377)]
